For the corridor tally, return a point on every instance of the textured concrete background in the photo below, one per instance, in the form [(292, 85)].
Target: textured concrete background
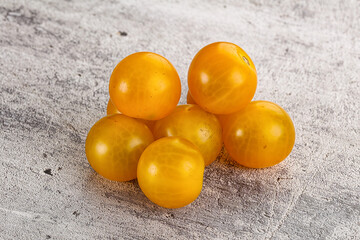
[(55, 61)]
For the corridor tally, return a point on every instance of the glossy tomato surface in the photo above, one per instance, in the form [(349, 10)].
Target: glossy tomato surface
[(111, 109), (145, 85), (170, 172), (261, 135), (222, 78), (194, 124), (114, 145)]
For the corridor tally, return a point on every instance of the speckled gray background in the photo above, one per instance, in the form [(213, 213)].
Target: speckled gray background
[(55, 61)]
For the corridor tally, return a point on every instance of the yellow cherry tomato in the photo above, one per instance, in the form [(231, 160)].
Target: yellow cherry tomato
[(114, 145), (145, 85), (260, 135), (194, 124), (222, 78), (189, 99), (111, 109), (170, 172)]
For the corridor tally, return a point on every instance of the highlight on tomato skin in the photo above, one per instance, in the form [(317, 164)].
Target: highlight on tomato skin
[(194, 124), (170, 172), (222, 78), (260, 135), (111, 109), (145, 85), (114, 145)]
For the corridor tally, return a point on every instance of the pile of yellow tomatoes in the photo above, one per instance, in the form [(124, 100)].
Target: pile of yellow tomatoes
[(166, 146)]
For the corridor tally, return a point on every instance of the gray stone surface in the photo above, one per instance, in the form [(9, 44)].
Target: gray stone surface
[(55, 61)]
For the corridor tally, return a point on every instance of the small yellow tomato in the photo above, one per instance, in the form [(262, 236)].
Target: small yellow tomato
[(222, 78), (145, 85), (114, 145), (170, 172), (260, 135), (111, 109), (194, 124)]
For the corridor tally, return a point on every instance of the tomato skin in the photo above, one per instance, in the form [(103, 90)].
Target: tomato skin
[(222, 78), (111, 109), (114, 145), (170, 172), (261, 135), (189, 98), (194, 124), (145, 85)]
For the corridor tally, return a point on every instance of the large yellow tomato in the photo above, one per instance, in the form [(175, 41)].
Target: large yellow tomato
[(114, 145), (145, 85), (111, 109), (222, 78), (170, 172), (194, 124), (260, 135)]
